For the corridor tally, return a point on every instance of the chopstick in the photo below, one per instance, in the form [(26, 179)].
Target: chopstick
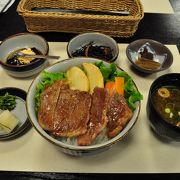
[(78, 11), (5, 6)]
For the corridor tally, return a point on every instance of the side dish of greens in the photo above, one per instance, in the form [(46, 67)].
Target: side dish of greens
[(7, 102)]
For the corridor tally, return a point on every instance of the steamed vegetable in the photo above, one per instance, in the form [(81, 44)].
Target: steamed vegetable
[(110, 86), (117, 86)]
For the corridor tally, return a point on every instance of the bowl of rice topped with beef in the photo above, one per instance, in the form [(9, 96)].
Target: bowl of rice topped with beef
[(83, 105)]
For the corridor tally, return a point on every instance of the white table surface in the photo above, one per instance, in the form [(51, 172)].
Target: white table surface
[(140, 151), (157, 6)]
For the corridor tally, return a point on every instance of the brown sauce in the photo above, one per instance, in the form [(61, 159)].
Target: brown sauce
[(13, 59)]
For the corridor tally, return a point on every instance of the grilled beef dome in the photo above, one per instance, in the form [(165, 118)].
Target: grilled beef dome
[(64, 112), (72, 113), (118, 115), (98, 119)]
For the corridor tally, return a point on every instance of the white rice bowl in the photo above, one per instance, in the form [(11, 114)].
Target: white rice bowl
[(68, 145)]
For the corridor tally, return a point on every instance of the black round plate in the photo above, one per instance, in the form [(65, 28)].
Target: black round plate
[(19, 112)]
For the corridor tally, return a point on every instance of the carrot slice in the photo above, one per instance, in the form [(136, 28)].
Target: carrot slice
[(119, 85), (110, 85)]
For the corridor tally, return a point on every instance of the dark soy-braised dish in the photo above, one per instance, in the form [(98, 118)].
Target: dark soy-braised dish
[(94, 50)]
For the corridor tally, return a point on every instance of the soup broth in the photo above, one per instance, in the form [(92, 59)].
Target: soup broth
[(167, 102)]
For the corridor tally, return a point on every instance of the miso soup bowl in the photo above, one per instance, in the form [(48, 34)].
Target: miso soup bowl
[(161, 127)]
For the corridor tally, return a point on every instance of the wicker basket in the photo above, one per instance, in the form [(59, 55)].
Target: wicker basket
[(113, 25)]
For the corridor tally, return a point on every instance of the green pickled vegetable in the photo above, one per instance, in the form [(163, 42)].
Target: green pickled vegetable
[(7, 102)]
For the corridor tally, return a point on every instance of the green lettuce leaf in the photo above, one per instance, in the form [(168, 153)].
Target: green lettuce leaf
[(132, 95), (48, 79)]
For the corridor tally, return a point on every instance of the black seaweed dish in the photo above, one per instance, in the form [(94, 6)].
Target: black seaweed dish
[(95, 45), (161, 127)]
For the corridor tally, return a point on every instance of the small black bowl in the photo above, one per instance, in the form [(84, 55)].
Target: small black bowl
[(160, 126)]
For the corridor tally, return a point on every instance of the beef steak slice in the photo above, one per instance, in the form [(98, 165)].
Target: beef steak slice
[(118, 115)]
